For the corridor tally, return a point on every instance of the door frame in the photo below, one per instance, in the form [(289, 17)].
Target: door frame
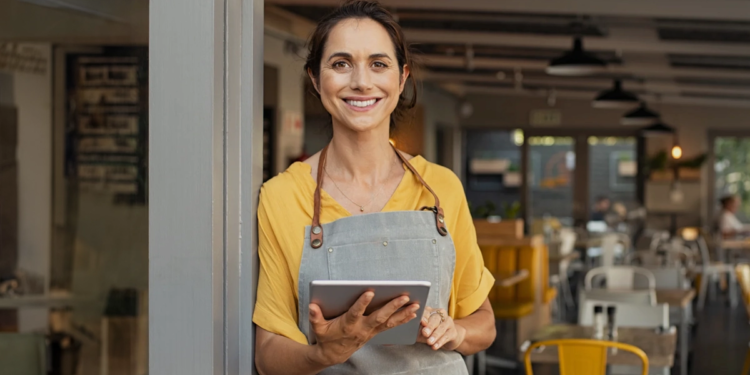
[(205, 171)]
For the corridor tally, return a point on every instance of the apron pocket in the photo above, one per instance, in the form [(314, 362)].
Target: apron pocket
[(394, 260)]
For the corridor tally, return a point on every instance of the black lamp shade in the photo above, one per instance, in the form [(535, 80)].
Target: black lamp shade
[(576, 62), (615, 98), (641, 116), (657, 130)]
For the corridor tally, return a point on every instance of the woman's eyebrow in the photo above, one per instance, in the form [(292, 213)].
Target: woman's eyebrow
[(349, 55), (380, 56), (340, 54)]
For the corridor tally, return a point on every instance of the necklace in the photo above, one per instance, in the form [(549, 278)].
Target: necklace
[(361, 207)]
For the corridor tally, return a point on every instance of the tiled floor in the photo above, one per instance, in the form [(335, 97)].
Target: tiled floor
[(720, 342)]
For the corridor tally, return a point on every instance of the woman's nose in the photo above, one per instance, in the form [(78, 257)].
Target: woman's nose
[(361, 79)]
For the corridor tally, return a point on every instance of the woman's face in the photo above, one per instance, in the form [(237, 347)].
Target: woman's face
[(733, 205), (360, 82)]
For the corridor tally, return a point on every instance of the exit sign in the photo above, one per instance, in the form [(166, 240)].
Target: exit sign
[(545, 117)]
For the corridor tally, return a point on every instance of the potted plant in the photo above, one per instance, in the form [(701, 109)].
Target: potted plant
[(489, 225)]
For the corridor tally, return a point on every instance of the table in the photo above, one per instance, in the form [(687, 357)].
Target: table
[(506, 279), (736, 244), (659, 347), (680, 299)]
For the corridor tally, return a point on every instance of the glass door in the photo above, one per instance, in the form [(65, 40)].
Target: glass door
[(613, 170), (551, 171)]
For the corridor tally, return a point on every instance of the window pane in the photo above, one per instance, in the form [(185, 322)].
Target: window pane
[(493, 172), (613, 167), (733, 171), (551, 167)]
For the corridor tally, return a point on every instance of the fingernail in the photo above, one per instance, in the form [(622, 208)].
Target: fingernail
[(436, 347), (427, 331), (431, 340), (404, 299), (415, 308)]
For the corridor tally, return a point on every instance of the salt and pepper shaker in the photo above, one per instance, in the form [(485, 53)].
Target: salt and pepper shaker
[(599, 322), (612, 322)]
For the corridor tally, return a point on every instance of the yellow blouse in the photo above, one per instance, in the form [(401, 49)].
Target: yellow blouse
[(286, 207)]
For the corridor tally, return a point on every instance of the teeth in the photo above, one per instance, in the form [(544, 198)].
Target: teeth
[(358, 103)]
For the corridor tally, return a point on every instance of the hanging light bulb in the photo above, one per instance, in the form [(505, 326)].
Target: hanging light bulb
[(676, 152)]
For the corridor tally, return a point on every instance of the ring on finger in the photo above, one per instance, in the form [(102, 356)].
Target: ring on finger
[(439, 312)]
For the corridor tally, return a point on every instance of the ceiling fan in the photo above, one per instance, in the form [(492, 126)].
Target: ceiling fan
[(72, 5)]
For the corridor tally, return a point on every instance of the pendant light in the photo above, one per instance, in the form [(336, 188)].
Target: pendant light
[(641, 116), (615, 97), (576, 62), (657, 130)]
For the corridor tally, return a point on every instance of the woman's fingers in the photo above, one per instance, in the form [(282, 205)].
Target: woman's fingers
[(433, 321), (358, 308), (448, 336), (380, 317), (439, 332), (402, 317), (316, 318)]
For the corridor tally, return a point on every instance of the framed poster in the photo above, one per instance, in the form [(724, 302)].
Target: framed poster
[(107, 129)]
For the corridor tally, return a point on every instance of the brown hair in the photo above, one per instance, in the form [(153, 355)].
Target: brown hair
[(361, 9), (726, 200)]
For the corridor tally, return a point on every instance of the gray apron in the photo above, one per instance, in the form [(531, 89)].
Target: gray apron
[(405, 245)]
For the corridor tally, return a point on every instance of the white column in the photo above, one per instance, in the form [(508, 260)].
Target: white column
[(205, 170)]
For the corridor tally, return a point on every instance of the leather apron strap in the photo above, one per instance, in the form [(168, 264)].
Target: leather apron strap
[(316, 230)]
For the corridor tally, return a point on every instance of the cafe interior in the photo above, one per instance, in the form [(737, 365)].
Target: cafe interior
[(603, 146)]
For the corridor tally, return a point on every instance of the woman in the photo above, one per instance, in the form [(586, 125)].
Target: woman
[(728, 224), (353, 212)]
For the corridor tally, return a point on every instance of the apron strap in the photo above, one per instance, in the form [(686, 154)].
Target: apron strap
[(316, 230)]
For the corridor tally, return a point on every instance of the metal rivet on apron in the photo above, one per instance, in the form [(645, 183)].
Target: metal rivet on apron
[(316, 243), (330, 249), (385, 243), (441, 219), (434, 241), (316, 230)]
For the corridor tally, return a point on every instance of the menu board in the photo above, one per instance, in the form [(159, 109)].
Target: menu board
[(107, 149)]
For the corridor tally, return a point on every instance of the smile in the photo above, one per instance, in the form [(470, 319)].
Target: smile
[(362, 104)]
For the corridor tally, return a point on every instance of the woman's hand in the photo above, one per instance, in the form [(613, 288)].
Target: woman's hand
[(337, 339), (440, 331)]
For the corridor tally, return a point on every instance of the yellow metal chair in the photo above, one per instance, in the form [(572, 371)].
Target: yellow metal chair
[(743, 278), (584, 357)]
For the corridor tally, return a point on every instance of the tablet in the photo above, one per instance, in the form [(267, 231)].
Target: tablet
[(335, 297)]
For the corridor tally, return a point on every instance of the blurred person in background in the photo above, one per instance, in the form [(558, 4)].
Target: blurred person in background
[(727, 223)]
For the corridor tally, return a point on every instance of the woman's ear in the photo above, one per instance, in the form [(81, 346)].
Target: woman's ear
[(404, 76), (313, 80)]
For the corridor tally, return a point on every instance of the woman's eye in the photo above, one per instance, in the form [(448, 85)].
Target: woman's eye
[(379, 64), (340, 64)]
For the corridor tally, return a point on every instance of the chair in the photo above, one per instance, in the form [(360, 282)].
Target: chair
[(619, 277), (612, 245), (709, 270), (567, 244), (583, 357), (665, 278), (639, 297), (743, 278), (628, 314)]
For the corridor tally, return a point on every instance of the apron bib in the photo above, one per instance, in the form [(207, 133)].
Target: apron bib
[(404, 245)]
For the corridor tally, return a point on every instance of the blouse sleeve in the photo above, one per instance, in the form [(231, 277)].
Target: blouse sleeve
[(472, 281), (276, 304)]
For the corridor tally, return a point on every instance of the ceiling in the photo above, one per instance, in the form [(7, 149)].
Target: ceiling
[(663, 50)]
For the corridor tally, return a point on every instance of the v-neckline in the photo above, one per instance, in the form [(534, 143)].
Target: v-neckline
[(312, 184)]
